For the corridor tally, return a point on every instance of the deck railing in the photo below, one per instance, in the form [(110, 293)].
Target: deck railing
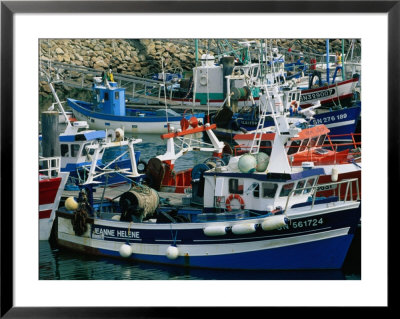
[(328, 186), (49, 166)]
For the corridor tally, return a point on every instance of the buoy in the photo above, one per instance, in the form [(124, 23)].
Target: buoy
[(242, 229), (274, 222), (214, 230), (71, 203), (262, 160), (247, 163), (125, 250), (172, 252), (233, 163), (116, 217), (193, 122), (334, 174)]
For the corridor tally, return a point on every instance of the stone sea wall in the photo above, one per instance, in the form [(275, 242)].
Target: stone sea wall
[(142, 57)]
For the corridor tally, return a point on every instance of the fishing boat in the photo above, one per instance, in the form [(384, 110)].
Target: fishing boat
[(342, 122), (255, 215), (51, 186), (108, 110), (313, 146), (76, 146)]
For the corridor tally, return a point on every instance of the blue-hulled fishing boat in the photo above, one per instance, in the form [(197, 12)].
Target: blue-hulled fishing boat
[(108, 110), (257, 213)]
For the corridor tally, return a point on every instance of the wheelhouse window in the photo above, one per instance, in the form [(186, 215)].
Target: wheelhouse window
[(310, 182), (86, 151), (256, 191), (117, 95), (294, 147), (75, 150), (313, 141), (304, 145), (64, 150), (269, 190), (235, 186), (106, 96), (299, 187), (321, 140), (286, 189)]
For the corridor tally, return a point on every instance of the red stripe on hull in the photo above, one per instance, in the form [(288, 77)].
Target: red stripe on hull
[(329, 86), (45, 214), (48, 190)]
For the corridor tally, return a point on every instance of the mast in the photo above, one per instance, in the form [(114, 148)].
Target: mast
[(327, 60)]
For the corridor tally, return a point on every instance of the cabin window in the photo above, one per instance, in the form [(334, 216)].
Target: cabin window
[(313, 141), (255, 71), (64, 150), (98, 96), (300, 185), (75, 150), (235, 186), (266, 147), (304, 145), (117, 95), (256, 191), (310, 183), (286, 189), (321, 140), (269, 190), (86, 151), (106, 96), (294, 147)]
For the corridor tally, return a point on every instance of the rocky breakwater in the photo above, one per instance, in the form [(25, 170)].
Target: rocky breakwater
[(140, 58)]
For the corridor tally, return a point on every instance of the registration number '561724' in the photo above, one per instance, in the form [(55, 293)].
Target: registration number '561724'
[(312, 222)]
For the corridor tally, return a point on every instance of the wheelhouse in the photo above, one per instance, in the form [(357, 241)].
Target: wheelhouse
[(75, 151), (258, 192)]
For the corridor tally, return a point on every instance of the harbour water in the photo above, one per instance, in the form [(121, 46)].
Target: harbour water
[(55, 264)]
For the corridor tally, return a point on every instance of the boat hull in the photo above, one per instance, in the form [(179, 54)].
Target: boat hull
[(310, 241), (50, 191), (130, 124), (341, 124), (329, 95)]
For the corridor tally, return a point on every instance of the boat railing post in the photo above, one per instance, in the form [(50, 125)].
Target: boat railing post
[(347, 191), (358, 190), (132, 157)]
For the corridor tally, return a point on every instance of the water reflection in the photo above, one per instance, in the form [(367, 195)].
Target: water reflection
[(67, 265)]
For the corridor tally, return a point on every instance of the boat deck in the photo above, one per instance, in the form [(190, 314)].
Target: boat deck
[(175, 199)]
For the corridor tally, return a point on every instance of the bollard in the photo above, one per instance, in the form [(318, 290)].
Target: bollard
[(50, 141)]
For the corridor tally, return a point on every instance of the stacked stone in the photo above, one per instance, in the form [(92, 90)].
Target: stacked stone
[(143, 57)]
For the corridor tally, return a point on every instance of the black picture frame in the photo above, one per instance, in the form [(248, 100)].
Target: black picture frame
[(9, 8)]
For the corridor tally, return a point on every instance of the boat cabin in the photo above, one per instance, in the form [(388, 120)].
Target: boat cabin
[(73, 146), (258, 192), (109, 98)]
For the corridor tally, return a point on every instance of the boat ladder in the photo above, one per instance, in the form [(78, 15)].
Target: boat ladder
[(255, 145)]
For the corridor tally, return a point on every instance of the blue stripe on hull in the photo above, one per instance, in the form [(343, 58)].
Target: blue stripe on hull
[(132, 119), (323, 254)]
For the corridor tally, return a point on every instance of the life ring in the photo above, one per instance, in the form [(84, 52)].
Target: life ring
[(203, 80), (232, 196)]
